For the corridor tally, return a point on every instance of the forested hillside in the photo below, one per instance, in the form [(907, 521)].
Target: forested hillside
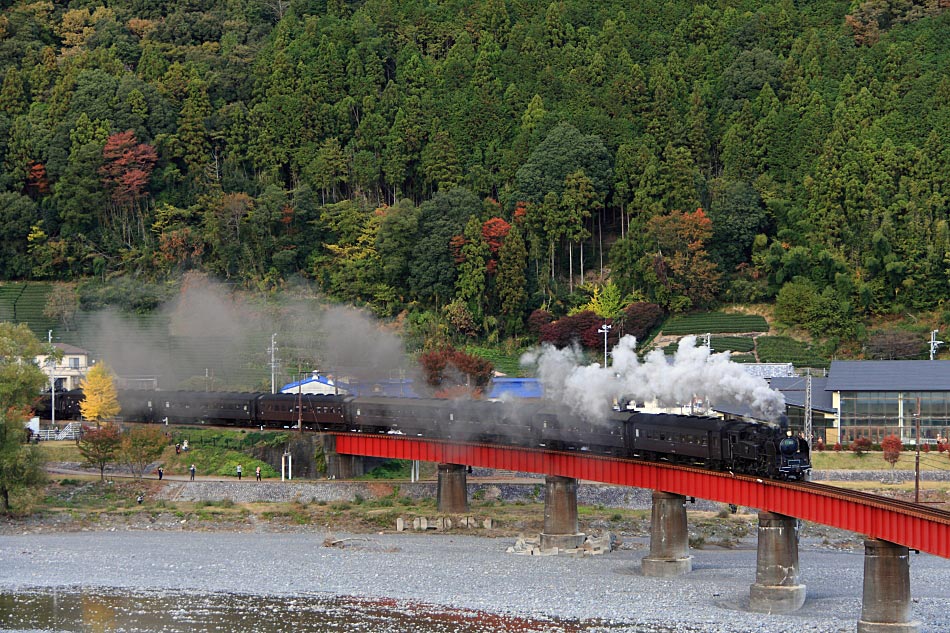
[(479, 160)]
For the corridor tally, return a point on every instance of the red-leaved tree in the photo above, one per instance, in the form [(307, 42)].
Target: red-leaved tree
[(494, 232), (640, 318), (582, 327), (449, 369), (128, 167), (125, 173), (538, 319), (860, 445), (892, 447)]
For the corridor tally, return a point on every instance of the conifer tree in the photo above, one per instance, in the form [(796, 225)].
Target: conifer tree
[(511, 281)]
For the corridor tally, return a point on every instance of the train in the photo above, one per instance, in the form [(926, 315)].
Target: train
[(760, 448)]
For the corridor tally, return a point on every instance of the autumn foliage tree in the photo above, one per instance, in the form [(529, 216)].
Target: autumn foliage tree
[(680, 261), (581, 328), (100, 400), (447, 369), (892, 447), (494, 232), (100, 446), (126, 172), (128, 167), (640, 318), (860, 445), (141, 446)]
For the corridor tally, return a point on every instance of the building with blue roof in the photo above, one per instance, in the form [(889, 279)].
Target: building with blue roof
[(503, 387)]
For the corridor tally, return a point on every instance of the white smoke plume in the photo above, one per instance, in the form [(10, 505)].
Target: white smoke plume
[(589, 390)]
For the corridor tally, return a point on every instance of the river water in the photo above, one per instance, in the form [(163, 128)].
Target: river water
[(174, 612)]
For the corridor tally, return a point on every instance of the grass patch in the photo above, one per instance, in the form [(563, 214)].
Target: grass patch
[(874, 460), (60, 451)]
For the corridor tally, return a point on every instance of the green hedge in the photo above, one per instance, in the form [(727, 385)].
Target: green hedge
[(782, 349), (714, 323), (504, 362), (741, 344)]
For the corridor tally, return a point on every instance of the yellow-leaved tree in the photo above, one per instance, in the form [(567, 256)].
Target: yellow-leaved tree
[(101, 401)]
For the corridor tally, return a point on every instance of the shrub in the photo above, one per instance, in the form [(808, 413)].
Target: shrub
[(820, 445), (860, 445), (537, 320), (837, 447), (639, 319), (926, 448), (582, 327)]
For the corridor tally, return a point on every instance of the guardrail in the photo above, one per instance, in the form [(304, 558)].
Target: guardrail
[(71, 431)]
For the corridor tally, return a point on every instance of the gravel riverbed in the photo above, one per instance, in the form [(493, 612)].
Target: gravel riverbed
[(466, 572)]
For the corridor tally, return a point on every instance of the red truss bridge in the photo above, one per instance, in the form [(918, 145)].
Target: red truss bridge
[(914, 526)]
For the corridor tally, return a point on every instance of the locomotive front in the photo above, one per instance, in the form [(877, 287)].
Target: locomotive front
[(793, 455)]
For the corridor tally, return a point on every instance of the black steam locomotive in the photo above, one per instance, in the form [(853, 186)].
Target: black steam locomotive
[(757, 448)]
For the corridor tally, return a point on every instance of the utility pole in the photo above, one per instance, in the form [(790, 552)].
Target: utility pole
[(604, 329), (299, 405), (52, 380), (273, 361), (917, 461), (808, 430), (934, 343)]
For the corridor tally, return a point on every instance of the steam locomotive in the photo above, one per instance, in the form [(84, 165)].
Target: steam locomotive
[(763, 449)]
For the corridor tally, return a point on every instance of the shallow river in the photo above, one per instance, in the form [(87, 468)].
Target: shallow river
[(170, 612)]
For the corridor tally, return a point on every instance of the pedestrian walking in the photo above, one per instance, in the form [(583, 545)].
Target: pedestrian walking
[(239, 472), (161, 473), (258, 473), (192, 471)]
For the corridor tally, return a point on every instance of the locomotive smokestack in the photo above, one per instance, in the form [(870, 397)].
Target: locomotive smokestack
[(783, 422)]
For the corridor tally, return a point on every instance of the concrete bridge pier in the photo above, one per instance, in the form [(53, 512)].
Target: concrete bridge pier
[(560, 514), (452, 496), (340, 466), (669, 537), (776, 588), (886, 605)]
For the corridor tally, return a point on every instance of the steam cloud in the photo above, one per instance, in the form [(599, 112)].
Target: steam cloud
[(209, 337), (588, 390)]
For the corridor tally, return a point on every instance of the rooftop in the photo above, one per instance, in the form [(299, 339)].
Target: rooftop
[(889, 375)]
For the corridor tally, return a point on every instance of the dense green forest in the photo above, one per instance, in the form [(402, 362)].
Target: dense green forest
[(480, 160)]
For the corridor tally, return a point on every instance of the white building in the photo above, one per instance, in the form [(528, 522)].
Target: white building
[(70, 370)]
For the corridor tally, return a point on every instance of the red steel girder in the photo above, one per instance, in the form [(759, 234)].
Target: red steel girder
[(876, 517)]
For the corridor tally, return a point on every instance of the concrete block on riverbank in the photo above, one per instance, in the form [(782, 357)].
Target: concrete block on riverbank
[(592, 546)]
